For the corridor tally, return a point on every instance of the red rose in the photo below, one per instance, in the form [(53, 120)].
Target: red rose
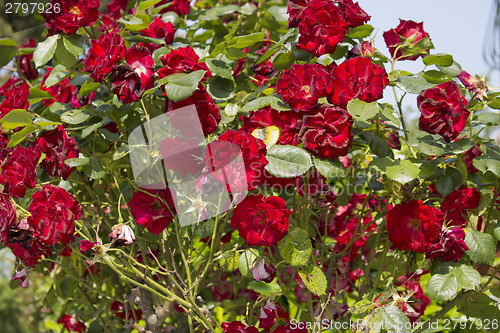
[(326, 131), (443, 110), (469, 156), (321, 28), (159, 29), (140, 60), (237, 327), (261, 221), (53, 215), (253, 151), (408, 41), (11, 82), (353, 14), (15, 98), (86, 245), (263, 271), (178, 155), (181, 7), (182, 60), (71, 15), (26, 247), (476, 87), (413, 226), (294, 10), (104, 54), (19, 171), (153, 209), (455, 204), (287, 122), (72, 324), (8, 216), (118, 309), (450, 247), (26, 65), (357, 78), (126, 84), (58, 147), (4, 151), (208, 111), (302, 85), (300, 328), (61, 91), (271, 314)]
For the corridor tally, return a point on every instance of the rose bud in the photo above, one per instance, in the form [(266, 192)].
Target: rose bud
[(476, 87), (23, 276), (122, 234), (263, 271), (365, 49), (408, 41)]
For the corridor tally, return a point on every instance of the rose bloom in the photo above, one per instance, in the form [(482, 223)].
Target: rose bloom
[(104, 54), (181, 7), (295, 9), (159, 29), (53, 215), (64, 92), (455, 204), (208, 111), (237, 327), (8, 216), (264, 271), (353, 14), (19, 171), (261, 221), (443, 110), (122, 235), (11, 82), (72, 15), (182, 60), (322, 27), (301, 86), (153, 209), (327, 131), (58, 147), (469, 156), (451, 245), (414, 226), (253, 152), (26, 65), (271, 314), (72, 324), (358, 78), (180, 156), (405, 39), (476, 87), (15, 98)]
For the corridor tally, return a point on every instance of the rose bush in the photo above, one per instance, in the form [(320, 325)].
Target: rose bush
[(330, 209)]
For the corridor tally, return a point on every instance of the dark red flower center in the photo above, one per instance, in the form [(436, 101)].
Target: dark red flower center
[(415, 223)]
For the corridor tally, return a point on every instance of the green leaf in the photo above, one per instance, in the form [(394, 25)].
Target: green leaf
[(440, 59), (63, 56), (361, 307), (434, 76), (74, 117), (378, 146), (17, 137), (489, 118), (88, 87), (295, 247), (8, 49), (496, 231), (74, 44), (361, 110), (485, 164), (58, 73), (94, 169), (219, 67), (360, 32), (279, 13), (283, 61), (388, 112), (412, 84), (287, 161), (448, 180), (87, 130), (481, 246), (452, 70), (45, 50), (37, 94), (16, 118), (121, 152), (259, 103), (291, 33), (42, 122), (467, 277), (240, 42), (403, 172), (442, 287), (314, 279), (220, 88), (74, 162), (329, 169), (391, 318), (230, 261), (180, 86), (247, 261), (143, 5)]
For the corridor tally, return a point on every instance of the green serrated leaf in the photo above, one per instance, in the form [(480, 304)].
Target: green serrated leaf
[(329, 169), (378, 146), (230, 261), (17, 137), (403, 172), (8, 50), (452, 70), (287, 161), (496, 231), (88, 86), (247, 260), (259, 103), (295, 247), (221, 88), (467, 277), (442, 287), (392, 319), (440, 59), (314, 279), (57, 74), (412, 84), (283, 61), (361, 110), (219, 67), (74, 162), (481, 247), (448, 180), (180, 86), (361, 307), (121, 152), (16, 118), (143, 5), (74, 44), (74, 117), (360, 32), (45, 50)]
